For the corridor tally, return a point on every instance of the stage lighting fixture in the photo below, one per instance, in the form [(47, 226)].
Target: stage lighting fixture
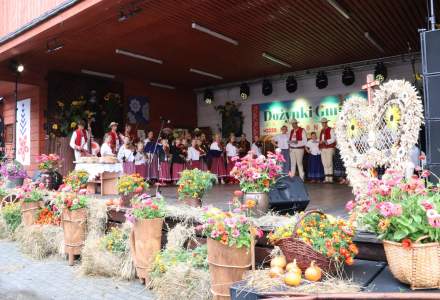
[(208, 97), (380, 72), (16, 67), (321, 80), (244, 91), (267, 87), (348, 76), (291, 84)]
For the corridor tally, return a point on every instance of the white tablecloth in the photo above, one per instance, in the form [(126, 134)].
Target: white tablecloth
[(96, 169)]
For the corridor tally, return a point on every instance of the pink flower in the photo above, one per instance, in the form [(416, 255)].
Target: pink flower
[(231, 222), (235, 233), (215, 234), (41, 185), (82, 191), (427, 205), (425, 174), (350, 205), (389, 209), (260, 233)]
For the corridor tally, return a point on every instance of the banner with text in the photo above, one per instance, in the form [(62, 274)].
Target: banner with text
[(268, 118)]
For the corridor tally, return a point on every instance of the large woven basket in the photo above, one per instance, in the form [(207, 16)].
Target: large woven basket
[(295, 248), (418, 266)]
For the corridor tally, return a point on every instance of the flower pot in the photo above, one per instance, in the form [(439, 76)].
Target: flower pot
[(226, 266), (261, 203), (14, 182), (145, 243), (51, 179), (74, 226), (418, 266), (194, 202), (29, 211)]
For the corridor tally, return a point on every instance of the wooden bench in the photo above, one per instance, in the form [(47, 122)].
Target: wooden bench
[(107, 183)]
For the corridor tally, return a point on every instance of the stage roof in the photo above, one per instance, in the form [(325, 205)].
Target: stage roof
[(304, 34)]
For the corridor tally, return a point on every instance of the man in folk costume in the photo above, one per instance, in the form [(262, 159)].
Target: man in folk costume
[(79, 139), (297, 142), (113, 133), (327, 143)]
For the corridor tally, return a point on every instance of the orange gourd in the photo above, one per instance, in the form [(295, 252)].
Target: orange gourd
[(278, 261), (293, 267), (313, 273), (292, 278), (276, 272)]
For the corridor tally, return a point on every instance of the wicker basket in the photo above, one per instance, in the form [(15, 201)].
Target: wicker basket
[(418, 266), (295, 248)]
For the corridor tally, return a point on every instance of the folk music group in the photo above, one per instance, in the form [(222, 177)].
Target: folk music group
[(165, 160)]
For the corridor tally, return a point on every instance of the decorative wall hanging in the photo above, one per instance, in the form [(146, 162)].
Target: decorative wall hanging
[(381, 133), (232, 118), (23, 132), (138, 111)]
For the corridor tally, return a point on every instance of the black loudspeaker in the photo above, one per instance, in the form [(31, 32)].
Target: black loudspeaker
[(430, 51), (289, 195)]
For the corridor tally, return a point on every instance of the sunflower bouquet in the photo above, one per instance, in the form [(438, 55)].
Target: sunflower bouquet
[(133, 183), (194, 183)]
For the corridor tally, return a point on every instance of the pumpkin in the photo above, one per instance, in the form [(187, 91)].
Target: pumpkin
[(313, 273), (278, 261)]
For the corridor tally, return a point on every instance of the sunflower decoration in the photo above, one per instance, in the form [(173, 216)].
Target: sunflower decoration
[(353, 128), (392, 117)]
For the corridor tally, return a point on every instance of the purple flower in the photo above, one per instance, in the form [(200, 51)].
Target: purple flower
[(231, 222), (235, 233), (130, 218)]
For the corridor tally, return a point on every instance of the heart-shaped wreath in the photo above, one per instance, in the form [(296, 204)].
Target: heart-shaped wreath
[(379, 134)]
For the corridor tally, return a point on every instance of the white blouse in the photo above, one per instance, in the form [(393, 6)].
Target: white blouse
[(106, 150), (231, 150), (215, 146), (139, 159), (193, 154), (127, 153), (313, 146)]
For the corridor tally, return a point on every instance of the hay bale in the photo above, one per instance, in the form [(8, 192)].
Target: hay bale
[(182, 281), (39, 241), (4, 230), (97, 216), (179, 235)]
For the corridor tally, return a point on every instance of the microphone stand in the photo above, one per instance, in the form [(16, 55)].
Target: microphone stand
[(162, 123)]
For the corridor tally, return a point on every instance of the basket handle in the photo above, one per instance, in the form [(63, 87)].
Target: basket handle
[(421, 238), (303, 216)]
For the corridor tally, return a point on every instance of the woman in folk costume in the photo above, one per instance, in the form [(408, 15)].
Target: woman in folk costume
[(130, 132), (217, 152), (151, 150), (106, 149), (184, 146), (327, 144), (79, 139), (203, 152), (231, 152), (193, 157), (115, 138), (178, 153), (315, 170), (165, 165), (125, 155), (139, 160)]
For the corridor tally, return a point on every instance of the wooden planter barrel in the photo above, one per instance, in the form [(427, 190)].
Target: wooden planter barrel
[(145, 243), (74, 226), (226, 266), (29, 212)]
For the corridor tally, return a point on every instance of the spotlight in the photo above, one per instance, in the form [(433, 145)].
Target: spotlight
[(244, 91), (291, 84), (267, 87), (208, 97), (348, 76), (380, 72), (321, 80), (16, 67)]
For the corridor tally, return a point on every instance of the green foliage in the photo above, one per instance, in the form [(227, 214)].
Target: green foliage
[(115, 241), (34, 195), (144, 207), (195, 183), (11, 213)]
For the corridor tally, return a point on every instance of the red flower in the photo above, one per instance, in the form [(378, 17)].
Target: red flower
[(406, 243), (238, 193), (154, 206)]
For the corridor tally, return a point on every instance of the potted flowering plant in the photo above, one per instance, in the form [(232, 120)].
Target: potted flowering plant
[(193, 184), (74, 219), (404, 213), (257, 176), (77, 179), (13, 172), (31, 197), (229, 247), (49, 164), (147, 215), (129, 185)]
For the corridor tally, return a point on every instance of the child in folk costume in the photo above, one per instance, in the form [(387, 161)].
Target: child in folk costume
[(178, 153), (315, 170), (139, 160), (193, 157), (184, 145), (231, 151), (216, 151), (125, 155), (152, 162), (79, 139), (164, 159), (115, 139), (203, 154), (106, 149)]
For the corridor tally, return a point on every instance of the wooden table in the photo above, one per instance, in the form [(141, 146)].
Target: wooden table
[(101, 175)]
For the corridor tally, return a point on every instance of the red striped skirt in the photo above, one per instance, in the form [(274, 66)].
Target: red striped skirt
[(141, 170), (165, 172), (218, 167), (177, 169), (128, 168), (152, 168), (194, 164)]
